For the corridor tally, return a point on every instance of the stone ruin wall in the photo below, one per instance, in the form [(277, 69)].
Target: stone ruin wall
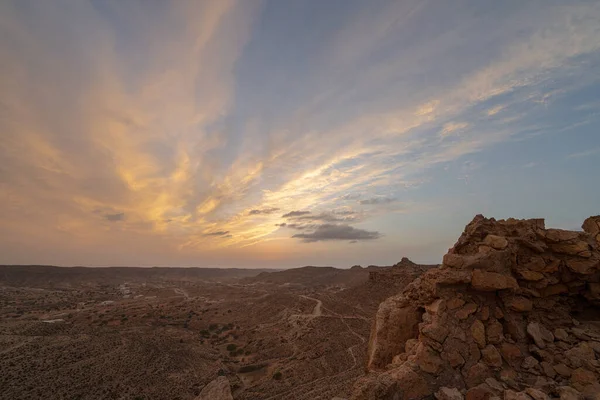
[(496, 320)]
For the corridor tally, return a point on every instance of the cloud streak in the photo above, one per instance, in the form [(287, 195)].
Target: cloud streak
[(327, 232)]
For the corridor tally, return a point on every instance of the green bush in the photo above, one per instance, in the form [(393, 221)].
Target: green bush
[(277, 376)]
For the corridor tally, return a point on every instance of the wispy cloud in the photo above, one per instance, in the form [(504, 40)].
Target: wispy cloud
[(585, 153), (263, 211), (293, 214), (114, 217), (336, 232), (187, 140)]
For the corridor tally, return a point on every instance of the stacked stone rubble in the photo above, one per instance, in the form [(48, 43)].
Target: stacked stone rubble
[(495, 320)]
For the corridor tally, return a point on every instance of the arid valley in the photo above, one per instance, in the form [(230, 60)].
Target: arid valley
[(159, 333)]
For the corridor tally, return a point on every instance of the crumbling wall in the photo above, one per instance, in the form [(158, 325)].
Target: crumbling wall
[(495, 320)]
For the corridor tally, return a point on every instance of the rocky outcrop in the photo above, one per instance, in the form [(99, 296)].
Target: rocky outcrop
[(495, 320), (401, 273), (217, 389)]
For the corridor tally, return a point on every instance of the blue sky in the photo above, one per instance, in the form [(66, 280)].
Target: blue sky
[(185, 132)]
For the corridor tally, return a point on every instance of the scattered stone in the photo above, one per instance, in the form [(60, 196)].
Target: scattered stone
[(495, 385), (455, 303), (491, 356), (498, 313), (485, 313), (494, 332), (217, 389), (519, 304), (496, 242), (539, 334), (446, 393), (561, 334), (568, 393), (560, 235), (584, 267), (479, 392), (580, 353), (492, 281), (511, 353), (529, 362), (595, 346), (547, 369), (427, 359), (436, 307), (477, 374), (436, 332), (530, 275), (511, 395), (563, 370), (478, 333), (580, 334), (537, 394), (466, 310), (453, 260), (553, 290), (582, 377), (454, 359)]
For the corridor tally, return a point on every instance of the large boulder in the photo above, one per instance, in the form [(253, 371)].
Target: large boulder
[(217, 389)]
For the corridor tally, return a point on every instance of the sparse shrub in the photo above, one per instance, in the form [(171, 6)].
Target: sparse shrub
[(231, 347), (212, 327), (277, 375), (251, 368)]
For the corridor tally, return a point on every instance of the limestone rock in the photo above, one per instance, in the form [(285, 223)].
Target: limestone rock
[(453, 260), (466, 310), (530, 275), (592, 225), (584, 266), (446, 393), (218, 389), (491, 356), (536, 394), (436, 332), (455, 303), (492, 281), (393, 326), (480, 392), (477, 375), (496, 242), (568, 393), (428, 359), (519, 304), (512, 395), (579, 354), (547, 369), (560, 235), (539, 334), (511, 353), (561, 334), (580, 378), (478, 333), (529, 362), (400, 383), (563, 370)]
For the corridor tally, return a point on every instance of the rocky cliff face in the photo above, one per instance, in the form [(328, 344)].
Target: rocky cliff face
[(511, 313)]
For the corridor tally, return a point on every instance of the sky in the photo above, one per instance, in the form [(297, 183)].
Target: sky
[(246, 133)]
